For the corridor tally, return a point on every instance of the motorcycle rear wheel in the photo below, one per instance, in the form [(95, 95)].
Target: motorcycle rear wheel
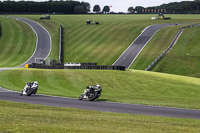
[(29, 91), (93, 96)]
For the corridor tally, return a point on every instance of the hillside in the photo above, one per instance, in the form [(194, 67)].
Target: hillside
[(102, 43), (184, 58), (155, 47), (17, 42), (131, 86)]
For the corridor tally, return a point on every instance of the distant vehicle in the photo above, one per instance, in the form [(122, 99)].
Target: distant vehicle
[(153, 18), (30, 88), (91, 93), (46, 17)]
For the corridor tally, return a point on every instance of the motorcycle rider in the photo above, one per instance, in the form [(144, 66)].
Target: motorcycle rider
[(34, 86), (90, 89)]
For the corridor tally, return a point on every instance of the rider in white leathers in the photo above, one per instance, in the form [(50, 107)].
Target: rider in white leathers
[(33, 85)]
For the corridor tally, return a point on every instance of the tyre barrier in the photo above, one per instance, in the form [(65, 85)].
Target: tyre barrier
[(82, 66), (97, 67), (170, 47)]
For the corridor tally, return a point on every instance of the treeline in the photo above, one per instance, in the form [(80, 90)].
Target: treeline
[(0, 29), (184, 7), (65, 7)]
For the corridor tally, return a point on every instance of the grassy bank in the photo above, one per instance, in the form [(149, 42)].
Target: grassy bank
[(159, 43), (121, 86), (184, 58), (25, 118), (17, 42)]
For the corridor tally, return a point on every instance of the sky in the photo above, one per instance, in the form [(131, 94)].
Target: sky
[(123, 5)]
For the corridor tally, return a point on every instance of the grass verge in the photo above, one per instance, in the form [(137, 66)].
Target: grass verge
[(25, 118)]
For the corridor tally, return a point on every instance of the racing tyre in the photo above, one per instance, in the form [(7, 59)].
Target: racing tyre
[(93, 96), (80, 97), (29, 92), (34, 91)]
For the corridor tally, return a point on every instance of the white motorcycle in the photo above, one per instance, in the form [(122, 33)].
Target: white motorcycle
[(30, 88)]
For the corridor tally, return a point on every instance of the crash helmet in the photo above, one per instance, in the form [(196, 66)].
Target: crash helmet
[(36, 82), (98, 86)]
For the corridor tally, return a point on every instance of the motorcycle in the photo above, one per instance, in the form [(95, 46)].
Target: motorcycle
[(91, 93), (30, 88)]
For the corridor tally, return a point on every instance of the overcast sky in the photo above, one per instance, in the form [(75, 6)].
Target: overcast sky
[(123, 5)]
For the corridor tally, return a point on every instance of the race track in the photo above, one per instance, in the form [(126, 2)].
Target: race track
[(100, 105), (42, 51), (43, 46), (131, 53), (43, 43)]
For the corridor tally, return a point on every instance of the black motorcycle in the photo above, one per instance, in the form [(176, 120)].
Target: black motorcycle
[(91, 93)]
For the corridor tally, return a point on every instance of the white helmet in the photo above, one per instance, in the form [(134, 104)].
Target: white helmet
[(36, 82)]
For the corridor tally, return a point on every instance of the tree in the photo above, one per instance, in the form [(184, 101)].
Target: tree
[(96, 9), (86, 6), (106, 9), (139, 9), (131, 10), (79, 10)]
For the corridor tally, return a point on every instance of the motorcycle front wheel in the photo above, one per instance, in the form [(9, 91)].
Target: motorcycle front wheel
[(80, 97)]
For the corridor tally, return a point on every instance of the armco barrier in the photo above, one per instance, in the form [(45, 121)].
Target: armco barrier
[(61, 55), (170, 47)]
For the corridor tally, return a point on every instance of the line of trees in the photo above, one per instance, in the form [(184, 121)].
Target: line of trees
[(184, 7), (97, 9), (0, 29), (66, 7)]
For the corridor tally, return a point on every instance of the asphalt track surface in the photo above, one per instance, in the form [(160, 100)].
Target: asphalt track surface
[(43, 44), (131, 53), (42, 51), (99, 105)]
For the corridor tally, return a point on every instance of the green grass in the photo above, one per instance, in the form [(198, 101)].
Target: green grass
[(102, 43), (184, 58), (17, 42), (25, 118), (93, 43), (130, 86)]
